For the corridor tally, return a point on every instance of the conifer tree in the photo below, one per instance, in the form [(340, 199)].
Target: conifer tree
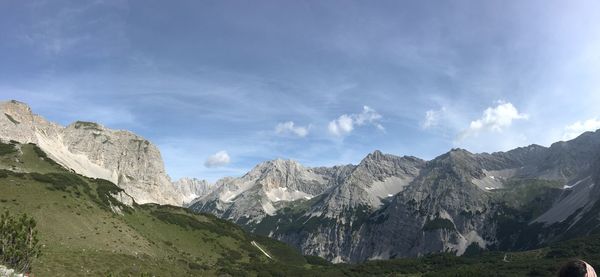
[(18, 241)]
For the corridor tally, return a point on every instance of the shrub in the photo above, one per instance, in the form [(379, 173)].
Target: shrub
[(4, 173), (7, 148), (40, 153), (18, 241), (316, 260), (439, 223)]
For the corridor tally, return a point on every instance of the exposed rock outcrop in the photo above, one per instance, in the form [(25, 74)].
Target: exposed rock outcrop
[(90, 149)]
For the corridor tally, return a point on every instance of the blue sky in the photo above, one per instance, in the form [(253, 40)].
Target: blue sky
[(220, 86)]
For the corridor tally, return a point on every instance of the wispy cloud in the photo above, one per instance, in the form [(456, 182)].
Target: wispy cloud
[(344, 124), (493, 119), (432, 118), (289, 127), (577, 128), (218, 159)]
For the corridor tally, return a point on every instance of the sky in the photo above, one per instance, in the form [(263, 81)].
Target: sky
[(220, 86)]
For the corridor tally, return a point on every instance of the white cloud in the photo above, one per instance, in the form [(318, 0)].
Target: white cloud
[(344, 124), (218, 159), (290, 128), (494, 119), (432, 118), (341, 126), (579, 127), (368, 115)]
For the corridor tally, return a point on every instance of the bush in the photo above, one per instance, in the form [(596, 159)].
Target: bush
[(439, 223), (40, 153), (316, 260), (4, 173), (18, 242), (7, 148)]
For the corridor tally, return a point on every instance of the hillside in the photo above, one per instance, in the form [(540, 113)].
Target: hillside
[(91, 227)]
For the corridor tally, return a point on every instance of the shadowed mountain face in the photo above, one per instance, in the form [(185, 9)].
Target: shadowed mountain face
[(389, 206)]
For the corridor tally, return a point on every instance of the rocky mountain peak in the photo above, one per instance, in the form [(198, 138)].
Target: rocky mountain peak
[(17, 108), (587, 139), (284, 164), (459, 162), (92, 150), (192, 188), (379, 159), (375, 156), (276, 168)]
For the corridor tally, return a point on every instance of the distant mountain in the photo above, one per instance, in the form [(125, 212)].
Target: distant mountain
[(90, 149), (257, 193), (389, 206), (192, 188)]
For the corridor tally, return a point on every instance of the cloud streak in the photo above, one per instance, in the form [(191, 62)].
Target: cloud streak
[(290, 128)]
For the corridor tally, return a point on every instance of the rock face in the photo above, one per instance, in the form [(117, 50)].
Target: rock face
[(256, 194), (90, 149), (192, 188), (389, 206)]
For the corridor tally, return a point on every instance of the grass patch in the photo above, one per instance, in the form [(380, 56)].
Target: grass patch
[(87, 125)]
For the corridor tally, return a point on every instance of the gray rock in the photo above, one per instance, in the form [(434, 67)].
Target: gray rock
[(389, 206), (90, 149)]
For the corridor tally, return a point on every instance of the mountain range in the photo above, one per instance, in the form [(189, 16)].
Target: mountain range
[(385, 207), (390, 206)]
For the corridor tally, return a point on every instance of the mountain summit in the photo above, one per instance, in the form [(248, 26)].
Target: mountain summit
[(92, 150)]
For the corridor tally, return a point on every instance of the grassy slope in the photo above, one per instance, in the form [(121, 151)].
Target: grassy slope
[(82, 235)]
